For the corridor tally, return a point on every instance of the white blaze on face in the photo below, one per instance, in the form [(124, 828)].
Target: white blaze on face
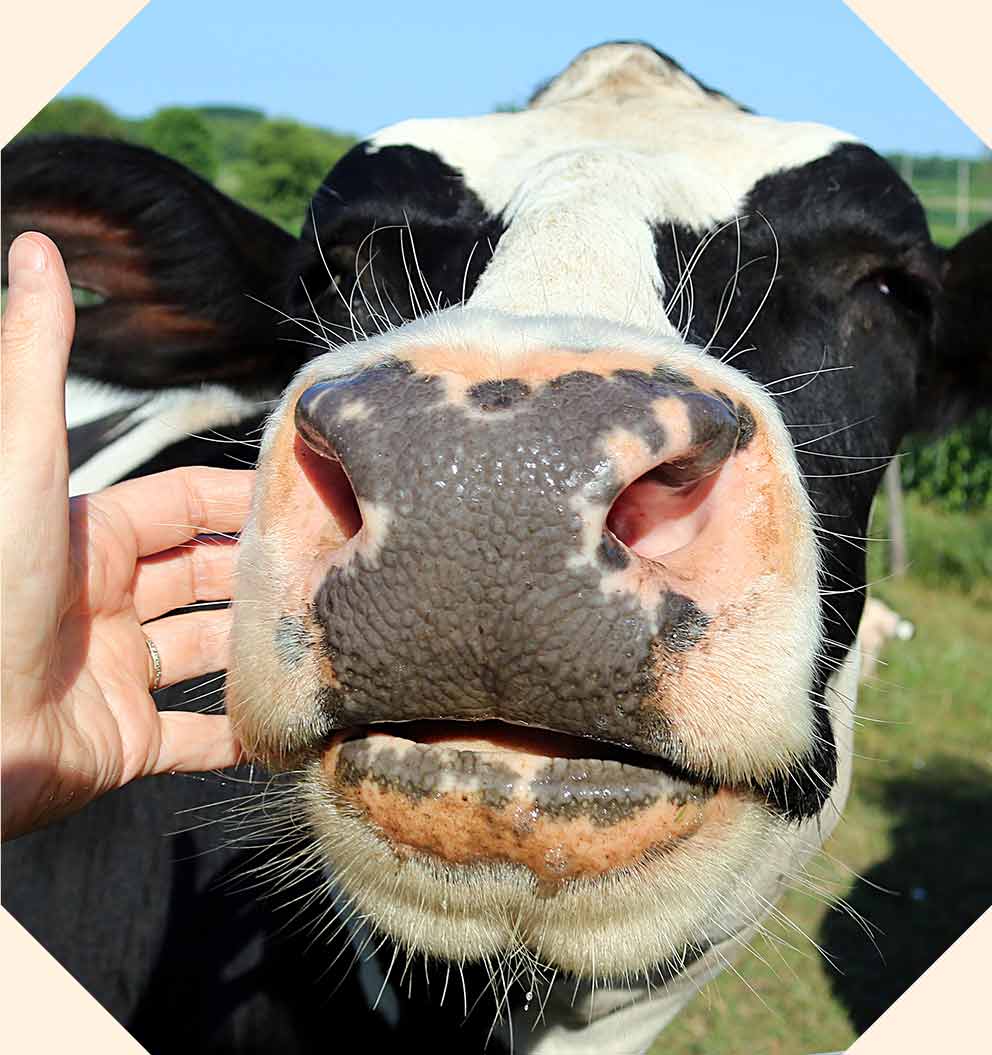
[(620, 142)]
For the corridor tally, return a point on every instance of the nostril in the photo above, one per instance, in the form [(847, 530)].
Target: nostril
[(327, 477), (666, 508), (655, 517)]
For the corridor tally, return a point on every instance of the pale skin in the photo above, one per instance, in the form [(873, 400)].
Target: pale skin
[(85, 581)]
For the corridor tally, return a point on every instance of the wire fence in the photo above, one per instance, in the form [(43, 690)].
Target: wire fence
[(956, 192)]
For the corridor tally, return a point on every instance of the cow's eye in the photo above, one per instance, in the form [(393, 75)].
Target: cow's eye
[(86, 298), (900, 289)]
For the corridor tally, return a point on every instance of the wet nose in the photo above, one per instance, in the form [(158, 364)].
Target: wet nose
[(497, 571), (394, 432)]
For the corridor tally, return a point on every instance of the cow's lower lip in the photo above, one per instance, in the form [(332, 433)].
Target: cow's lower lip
[(468, 793)]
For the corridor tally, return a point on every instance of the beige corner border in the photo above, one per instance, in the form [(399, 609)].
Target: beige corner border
[(946, 45), (46, 42), (946, 1010), (44, 1010)]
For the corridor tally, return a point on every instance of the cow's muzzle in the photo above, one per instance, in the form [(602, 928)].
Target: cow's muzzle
[(508, 545)]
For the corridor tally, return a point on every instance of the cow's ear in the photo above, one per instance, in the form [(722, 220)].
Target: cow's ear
[(177, 268), (960, 379)]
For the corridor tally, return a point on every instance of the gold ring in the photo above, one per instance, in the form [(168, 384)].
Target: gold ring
[(156, 681)]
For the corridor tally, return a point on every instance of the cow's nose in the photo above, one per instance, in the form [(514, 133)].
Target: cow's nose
[(499, 569), (666, 507)]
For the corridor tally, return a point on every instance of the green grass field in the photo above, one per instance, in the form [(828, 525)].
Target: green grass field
[(916, 827)]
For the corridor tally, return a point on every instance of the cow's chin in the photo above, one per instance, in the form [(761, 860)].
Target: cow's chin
[(470, 841)]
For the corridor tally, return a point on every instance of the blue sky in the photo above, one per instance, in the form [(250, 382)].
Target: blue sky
[(357, 67)]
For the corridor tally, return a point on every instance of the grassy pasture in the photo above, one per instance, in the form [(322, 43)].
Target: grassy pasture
[(916, 827)]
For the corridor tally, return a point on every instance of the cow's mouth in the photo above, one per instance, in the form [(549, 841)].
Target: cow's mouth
[(562, 806)]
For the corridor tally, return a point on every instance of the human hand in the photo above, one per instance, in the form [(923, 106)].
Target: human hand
[(84, 583)]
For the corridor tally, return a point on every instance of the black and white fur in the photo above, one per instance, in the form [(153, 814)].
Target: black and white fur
[(627, 192)]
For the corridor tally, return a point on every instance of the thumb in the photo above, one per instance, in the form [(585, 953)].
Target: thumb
[(37, 332)]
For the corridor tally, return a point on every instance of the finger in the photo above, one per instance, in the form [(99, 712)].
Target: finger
[(192, 743), (202, 570), (189, 645), (167, 509), (37, 331)]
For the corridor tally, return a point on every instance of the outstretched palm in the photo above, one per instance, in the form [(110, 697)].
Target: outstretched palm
[(86, 582)]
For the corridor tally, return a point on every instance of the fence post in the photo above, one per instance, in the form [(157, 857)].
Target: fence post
[(898, 561), (906, 168), (964, 180)]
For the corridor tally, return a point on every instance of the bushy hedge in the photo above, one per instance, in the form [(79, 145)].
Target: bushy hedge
[(956, 470)]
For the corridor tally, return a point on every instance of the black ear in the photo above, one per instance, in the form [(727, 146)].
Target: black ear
[(174, 263), (960, 376)]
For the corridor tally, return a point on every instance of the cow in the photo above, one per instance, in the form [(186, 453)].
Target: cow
[(568, 423), (879, 625)]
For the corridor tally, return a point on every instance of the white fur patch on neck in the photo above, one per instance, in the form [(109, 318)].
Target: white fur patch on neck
[(87, 400), (158, 419)]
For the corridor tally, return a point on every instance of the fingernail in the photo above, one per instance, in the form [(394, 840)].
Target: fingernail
[(27, 263)]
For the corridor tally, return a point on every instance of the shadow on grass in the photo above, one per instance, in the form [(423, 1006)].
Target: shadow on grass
[(937, 883)]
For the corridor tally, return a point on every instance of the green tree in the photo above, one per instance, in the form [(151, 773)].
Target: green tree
[(77, 116), (184, 136), (286, 162), (232, 128)]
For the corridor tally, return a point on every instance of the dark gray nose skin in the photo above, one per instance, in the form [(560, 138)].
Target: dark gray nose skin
[(482, 599)]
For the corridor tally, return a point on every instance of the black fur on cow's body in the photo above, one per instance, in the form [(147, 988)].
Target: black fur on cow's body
[(839, 278), (163, 923)]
